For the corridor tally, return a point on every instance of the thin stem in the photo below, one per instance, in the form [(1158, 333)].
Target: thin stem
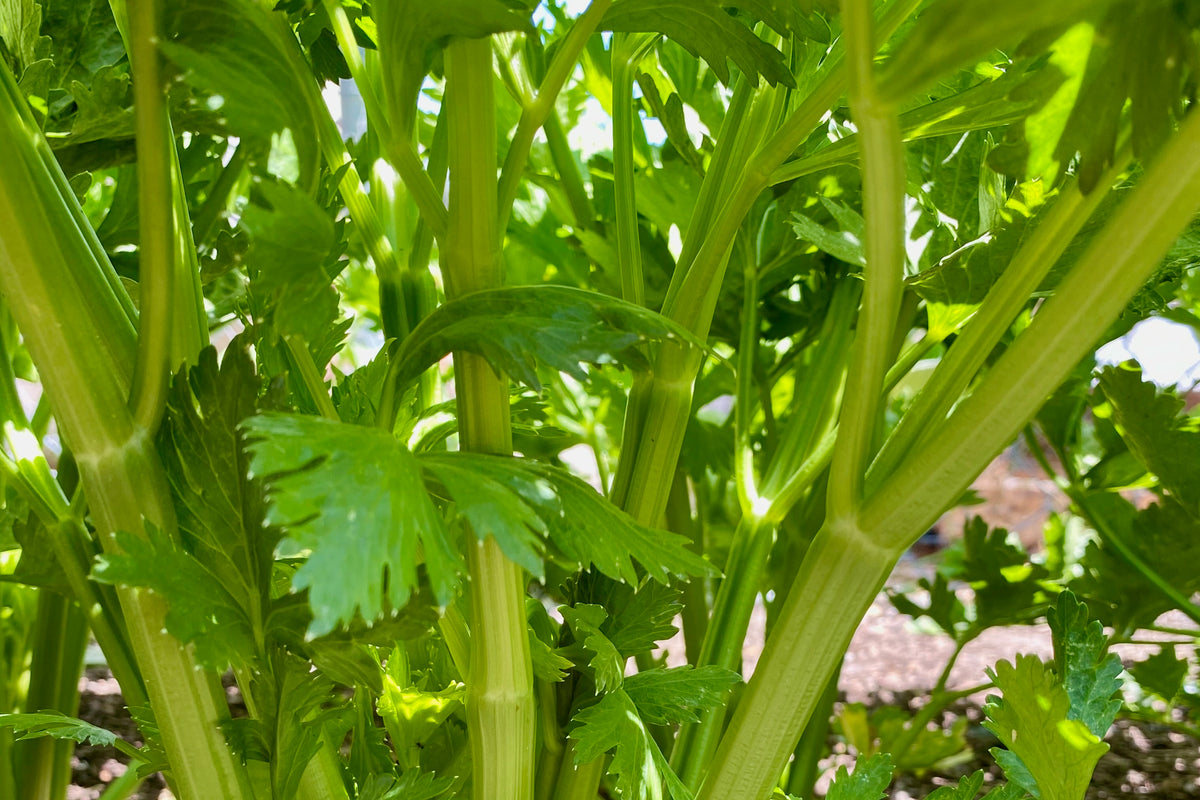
[(723, 643), (883, 212), (301, 356), (628, 50), (156, 262), (535, 114), (59, 640)]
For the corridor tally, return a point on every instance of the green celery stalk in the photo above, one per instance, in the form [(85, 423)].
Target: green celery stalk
[(80, 339), (500, 700)]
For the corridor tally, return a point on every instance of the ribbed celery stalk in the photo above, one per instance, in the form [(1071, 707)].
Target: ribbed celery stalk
[(849, 561), (500, 703), (81, 342), (43, 766)]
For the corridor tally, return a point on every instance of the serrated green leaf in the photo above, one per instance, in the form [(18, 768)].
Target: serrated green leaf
[(668, 696), (640, 768), (640, 619), (492, 504), (1162, 674), (57, 726), (844, 243), (354, 497), (706, 30), (356, 396), (518, 328), (548, 664), (1151, 423), (606, 663), (954, 33), (1050, 755), (967, 787), (585, 528), (248, 58), (20, 28), (290, 234), (868, 781), (411, 31), (1085, 667), (201, 610), (219, 509)]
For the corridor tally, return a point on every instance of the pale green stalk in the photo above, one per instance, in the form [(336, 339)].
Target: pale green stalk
[(849, 560), (500, 703)]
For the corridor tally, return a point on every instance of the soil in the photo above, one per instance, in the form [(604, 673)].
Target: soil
[(889, 662)]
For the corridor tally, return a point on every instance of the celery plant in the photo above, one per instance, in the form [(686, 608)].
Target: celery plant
[(836, 192)]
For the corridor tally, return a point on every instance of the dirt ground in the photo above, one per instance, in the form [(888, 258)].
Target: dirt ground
[(889, 663)]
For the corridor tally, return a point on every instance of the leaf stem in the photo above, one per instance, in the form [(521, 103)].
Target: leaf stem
[(500, 703), (535, 113), (883, 211)]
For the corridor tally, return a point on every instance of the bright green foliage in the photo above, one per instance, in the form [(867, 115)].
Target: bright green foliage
[(520, 328), (707, 30), (868, 781), (1162, 673), (583, 528), (1048, 753), (613, 724), (1085, 667), (1167, 443), (354, 497), (666, 696)]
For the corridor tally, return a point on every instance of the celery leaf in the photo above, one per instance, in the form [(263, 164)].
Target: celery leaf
[(868, 781), (1151, 422), (584, 527), (707, 30), (606, 663), (639, 766), (668, 696), (1049, 754), (354, 498), (201, 610), (520, 327), (1086, 668)]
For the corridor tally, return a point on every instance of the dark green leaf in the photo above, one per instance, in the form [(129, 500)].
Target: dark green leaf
[(967, 787), (56, 726), (1152, 424), (705, 29), (518, 328), (1162, 674), (586, 528), (1049, 754), (354, 497), (954, 33), (250, 61), (201, 610), (606, 663), (868, 781), (220, 511), (640, 768), (1085, 667), (668, 696)]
